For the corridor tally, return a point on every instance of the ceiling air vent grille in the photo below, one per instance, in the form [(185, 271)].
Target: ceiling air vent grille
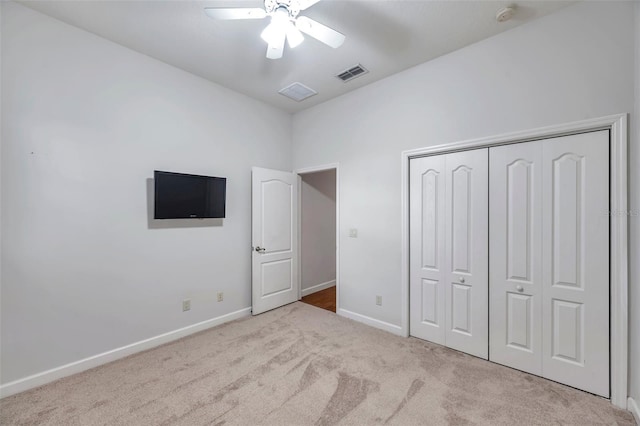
[(297, 91), (352, 73)]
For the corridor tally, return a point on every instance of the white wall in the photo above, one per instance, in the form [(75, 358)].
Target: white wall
[(634, 225), (85, 123), (1, 127), (574, 64), (318, 229)]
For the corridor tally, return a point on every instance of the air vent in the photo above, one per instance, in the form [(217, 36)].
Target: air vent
[(297, 91), (352, 73)]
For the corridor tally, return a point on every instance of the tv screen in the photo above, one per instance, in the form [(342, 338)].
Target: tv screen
[(182, 196)]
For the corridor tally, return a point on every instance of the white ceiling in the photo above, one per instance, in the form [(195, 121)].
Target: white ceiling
[(384, 36)]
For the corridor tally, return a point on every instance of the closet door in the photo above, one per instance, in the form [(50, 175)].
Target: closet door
[(427, 248), (515, 211), (467, 257), (575, 237)]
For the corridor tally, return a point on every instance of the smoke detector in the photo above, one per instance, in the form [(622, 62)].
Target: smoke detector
[(505, 14)]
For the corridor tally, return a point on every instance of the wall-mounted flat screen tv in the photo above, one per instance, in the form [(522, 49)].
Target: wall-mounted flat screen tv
[(182, 196)]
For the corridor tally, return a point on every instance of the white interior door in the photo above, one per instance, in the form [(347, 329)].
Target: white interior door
[(467, 252), (576, 261), (274, 216), (515, 247), (549, 250), (448, 222), (427, 248)]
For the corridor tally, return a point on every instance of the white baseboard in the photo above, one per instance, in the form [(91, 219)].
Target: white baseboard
[(632, 406), (48, 376), (382, 325), (317, 288)]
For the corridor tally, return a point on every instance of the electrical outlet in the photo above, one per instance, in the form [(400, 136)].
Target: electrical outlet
[(220, 296), (379, 300), (186, 305)]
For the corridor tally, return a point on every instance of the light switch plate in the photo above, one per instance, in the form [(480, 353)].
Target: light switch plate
[(353, 233)]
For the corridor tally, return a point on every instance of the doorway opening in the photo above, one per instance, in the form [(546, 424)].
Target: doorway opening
[(318, 224)]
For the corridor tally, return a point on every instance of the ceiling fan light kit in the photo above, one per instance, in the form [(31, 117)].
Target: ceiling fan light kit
[(281, 27), (294, 36), (285, 24)]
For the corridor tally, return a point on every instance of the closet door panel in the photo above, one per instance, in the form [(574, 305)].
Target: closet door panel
[(576, 261), (466, 260), (515, 290), (427, 248)]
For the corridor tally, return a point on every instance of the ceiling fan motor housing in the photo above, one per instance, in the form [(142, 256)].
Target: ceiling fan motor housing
[(291, 6)]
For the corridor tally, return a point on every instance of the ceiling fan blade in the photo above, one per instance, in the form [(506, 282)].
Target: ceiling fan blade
[(321, 32), (235, 13), (305, 4), (276, 47)]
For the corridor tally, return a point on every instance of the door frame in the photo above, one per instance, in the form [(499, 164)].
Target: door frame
[(619, 235), (305, 171)]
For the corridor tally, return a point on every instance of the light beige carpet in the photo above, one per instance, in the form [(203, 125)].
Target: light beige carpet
[(301, 365)]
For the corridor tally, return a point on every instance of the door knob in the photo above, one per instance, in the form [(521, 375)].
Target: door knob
[(462, 280), (519, 288), (260, 249)]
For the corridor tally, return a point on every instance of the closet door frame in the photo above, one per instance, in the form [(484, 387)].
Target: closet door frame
[(619, 244)]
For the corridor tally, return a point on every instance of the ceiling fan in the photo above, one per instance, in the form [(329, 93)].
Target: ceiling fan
[(285, 24)]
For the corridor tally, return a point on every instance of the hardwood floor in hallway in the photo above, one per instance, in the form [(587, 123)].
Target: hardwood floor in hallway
[(325, 299)]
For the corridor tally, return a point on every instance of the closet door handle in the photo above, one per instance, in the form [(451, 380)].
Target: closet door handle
[(520, 288), (462, 280)]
